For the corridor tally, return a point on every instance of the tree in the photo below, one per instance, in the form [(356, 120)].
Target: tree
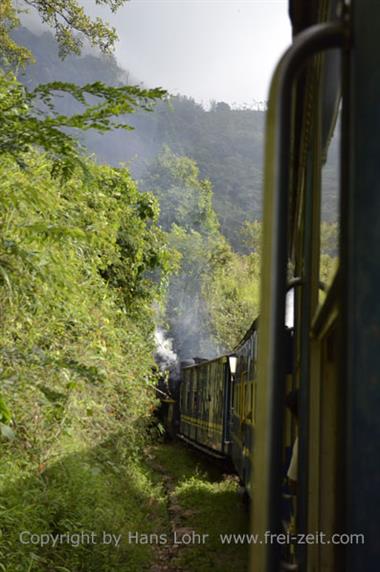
[(185, 199), (213, 298), (69, 21), (186, 213), (36, 145), (76, 348), (30, 118), (10, 51), (252, 236)]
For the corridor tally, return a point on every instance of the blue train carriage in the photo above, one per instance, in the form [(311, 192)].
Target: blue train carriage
[(205, 402), (243, 405), (244, 392)]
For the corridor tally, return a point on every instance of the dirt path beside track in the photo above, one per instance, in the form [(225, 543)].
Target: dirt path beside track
[(201, 504)]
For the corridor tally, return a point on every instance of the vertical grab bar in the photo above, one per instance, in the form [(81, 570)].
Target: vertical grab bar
[(266, 506)]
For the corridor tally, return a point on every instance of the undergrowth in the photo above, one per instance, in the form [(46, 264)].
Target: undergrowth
[(77, 258), (80, 500)]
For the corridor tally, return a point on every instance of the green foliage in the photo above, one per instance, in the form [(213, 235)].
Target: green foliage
[(186, 212), (86, 492), (328, 263), (31, 117), (213, 297), (82, 263), (69, 20), (187, 310), (76, 349), (25, 126), (225, 143), (329, 238), (114, 102), (5, 415), (9, 49), (252, 236), (232, 291), (140, 242), (21, 129), (185, 200), (328, 266)]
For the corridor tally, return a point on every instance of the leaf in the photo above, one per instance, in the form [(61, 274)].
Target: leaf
[(50, 394), (7, 432), (71, 385), (5, 414), (6, 279), (95, 471)]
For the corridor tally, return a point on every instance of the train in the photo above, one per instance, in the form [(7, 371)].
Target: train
[(326, 86), (217, 401), (215, 406)]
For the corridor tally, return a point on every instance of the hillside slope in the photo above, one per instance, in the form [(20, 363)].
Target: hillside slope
[(226, 143)]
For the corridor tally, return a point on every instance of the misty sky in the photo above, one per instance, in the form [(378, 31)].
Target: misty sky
[(207, 49)]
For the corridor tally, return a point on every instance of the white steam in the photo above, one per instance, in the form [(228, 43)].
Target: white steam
[(166, 357)]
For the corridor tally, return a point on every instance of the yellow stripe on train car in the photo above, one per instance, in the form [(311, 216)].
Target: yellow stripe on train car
[(201, 423)]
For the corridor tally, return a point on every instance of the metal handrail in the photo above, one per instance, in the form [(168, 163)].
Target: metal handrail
[(268, 463)]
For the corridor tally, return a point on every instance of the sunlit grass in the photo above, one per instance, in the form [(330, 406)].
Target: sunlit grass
[(210, 505)]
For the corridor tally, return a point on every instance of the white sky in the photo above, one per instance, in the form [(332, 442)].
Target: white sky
[(207, 49)]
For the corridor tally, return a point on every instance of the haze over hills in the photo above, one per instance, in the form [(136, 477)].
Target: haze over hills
[(226, 143)]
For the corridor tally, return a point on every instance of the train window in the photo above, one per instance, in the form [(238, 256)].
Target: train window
[(220, 404), (330, 173), (248, 400), (256, 349), (242, 402)]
